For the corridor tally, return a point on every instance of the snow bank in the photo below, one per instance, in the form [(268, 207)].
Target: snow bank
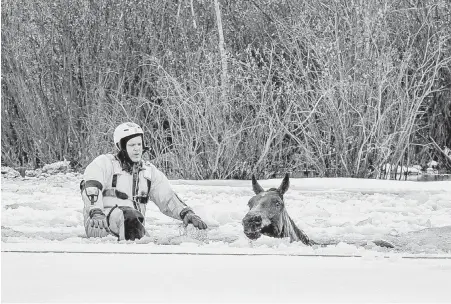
[(61, 167), (46, 212), (8, 172)]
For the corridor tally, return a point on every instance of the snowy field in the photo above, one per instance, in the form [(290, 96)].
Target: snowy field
[(44, 214)]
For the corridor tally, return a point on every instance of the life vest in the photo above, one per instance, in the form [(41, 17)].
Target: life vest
[(119, 187), (115, 186)]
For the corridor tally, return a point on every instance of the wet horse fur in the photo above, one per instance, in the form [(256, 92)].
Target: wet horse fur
[(268, 216)]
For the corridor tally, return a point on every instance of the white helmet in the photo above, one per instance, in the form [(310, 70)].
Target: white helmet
[(125, 130)]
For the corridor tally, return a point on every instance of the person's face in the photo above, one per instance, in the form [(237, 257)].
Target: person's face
[(135, 149)]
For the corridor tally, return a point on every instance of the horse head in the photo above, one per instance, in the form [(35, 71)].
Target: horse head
[(267, 214)]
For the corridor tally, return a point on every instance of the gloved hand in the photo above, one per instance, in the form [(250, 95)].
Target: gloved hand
[(96, 225), (191, 218)]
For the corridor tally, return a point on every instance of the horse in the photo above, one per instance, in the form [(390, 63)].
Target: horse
[(268, 216)]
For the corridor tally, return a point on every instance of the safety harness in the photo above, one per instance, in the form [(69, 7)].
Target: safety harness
[(136, 199), (113, 192)]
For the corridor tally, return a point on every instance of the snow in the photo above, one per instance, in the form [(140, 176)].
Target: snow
[(432, 163), (206, 279), (44, 214), (416, 169), (9, 172), (47, 212)]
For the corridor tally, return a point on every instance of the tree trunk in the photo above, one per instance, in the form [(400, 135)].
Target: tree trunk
[(222, 52)]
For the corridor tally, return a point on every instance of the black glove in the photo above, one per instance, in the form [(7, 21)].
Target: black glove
[(191, 218), (97, 225)]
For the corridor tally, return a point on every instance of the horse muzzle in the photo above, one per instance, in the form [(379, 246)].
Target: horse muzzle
[(252, 225)]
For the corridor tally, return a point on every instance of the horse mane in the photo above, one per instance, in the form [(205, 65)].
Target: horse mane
[(283, 225), (287, 228)]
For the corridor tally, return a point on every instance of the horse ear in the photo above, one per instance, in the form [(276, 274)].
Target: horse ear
[(255, 185), (285, 184)]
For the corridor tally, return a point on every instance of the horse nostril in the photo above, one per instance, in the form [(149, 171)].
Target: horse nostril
[(256, 220), (252, 221)]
